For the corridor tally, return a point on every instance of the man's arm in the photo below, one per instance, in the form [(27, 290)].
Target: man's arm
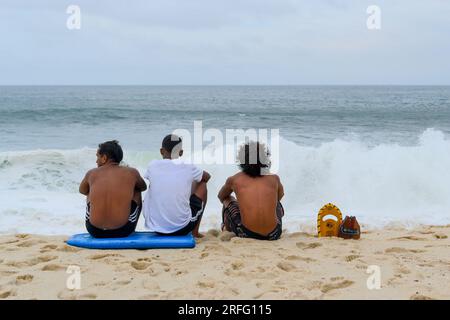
[(140, 183), (280, 189), (205, 177), (226, 190), (84, 185)]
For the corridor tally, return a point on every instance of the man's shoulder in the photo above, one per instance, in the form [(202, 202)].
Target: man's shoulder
[(272, 177), (153, 163), (127, 168), (92, 171), (185, 165), (236, 177)]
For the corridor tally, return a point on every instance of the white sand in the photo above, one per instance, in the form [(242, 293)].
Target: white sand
[(414, 264)]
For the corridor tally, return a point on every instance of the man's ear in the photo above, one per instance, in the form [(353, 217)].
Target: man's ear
[(181, 153), (103, 159), (161, 151)]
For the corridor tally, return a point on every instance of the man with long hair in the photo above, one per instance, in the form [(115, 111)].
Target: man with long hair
[(256, 212)]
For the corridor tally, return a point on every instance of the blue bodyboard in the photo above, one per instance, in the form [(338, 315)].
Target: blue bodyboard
[(137, 240)]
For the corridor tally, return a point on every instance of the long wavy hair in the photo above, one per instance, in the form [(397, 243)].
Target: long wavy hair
[(253, 158)]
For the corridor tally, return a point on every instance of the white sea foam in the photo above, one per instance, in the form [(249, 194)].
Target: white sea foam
[(384, 184)]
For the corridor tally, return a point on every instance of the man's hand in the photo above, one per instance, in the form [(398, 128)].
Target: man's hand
[(141, 186), (205, 177), (226, 190)]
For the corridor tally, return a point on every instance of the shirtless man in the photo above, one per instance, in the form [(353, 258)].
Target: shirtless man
[(257, 211), (113, 194)]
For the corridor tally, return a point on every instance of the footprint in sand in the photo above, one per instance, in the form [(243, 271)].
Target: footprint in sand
[(24, 279), (313, 245), (420, 297), (7, 294), (440, 236), (29, 243), (87, 296), (299, 258), (237, 265), (47, 248), (403, 270), (45, 258), (52, 267), (22, 235), (32, 262), (66, 248), (9, 242), (286, 266), (334, 286), (123, 282), (227, 292), (414, 238), (216, 248), (101, 284), (352, 257), (303, 245), (426, 232), (403, 250), (206, 284), (267, 294), (181, 272), (140, 265), (102, 256), (259, 269), (337, 278)]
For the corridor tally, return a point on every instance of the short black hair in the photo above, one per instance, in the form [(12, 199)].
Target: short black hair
[(171, 141), (112, 150), (252, 157)]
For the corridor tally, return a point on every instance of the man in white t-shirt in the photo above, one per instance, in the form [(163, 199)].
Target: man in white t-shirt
[(177, 194)]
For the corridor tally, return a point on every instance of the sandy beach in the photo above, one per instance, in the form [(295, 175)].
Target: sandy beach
[(414, 264)]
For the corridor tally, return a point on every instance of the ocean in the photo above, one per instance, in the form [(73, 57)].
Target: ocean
[(381, 153)]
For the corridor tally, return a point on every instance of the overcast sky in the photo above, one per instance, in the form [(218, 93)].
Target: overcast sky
[(225, 42)]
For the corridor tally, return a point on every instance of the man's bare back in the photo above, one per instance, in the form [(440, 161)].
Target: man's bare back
[(110, 190), (257, 198)]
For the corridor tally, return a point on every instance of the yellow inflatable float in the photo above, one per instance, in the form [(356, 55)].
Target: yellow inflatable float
[(329, 227)]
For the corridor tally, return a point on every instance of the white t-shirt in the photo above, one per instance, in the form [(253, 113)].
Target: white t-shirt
[(166, 205)]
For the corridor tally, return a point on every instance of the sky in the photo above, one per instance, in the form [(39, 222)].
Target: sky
[(224, 42)]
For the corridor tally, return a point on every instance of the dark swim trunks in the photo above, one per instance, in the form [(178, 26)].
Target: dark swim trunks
[(197, 207), (231, 217), (121, 232)]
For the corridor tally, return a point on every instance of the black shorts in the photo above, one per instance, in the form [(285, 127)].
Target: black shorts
[(197, 212), (231, 219), (121, 232)]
